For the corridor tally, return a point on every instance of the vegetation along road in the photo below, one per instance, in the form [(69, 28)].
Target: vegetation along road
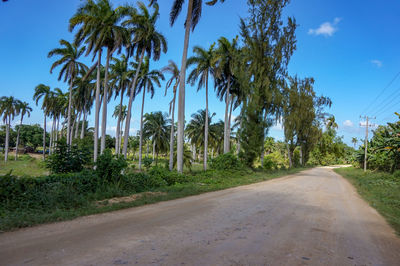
[(314, 217)]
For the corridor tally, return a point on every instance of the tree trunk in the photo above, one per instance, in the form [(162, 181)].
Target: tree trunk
[(171, 140), (77, 125), (118, 123), (206, 130), (263, 149), (141, 131), (226, 124), (69, 112), (44, 137), (52, 136), (16, 144), (181, 100), (154, 148), (105, 98), (97, 111), (240, 127), (289, 155), (229, 123), (120, 137), (131, 96), (72, 130), (147, 149), (57, 127), (83, 124), (8, 122)]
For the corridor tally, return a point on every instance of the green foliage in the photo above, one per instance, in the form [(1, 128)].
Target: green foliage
[(147, 161), (170, 177), (67, 159), (274, 161), (226, 161), (109, 167)]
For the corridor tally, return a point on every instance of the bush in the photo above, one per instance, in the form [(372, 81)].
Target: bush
[(140, 182), (226, 161), (170, 177), (147, 163), (67, 159), (109, 167)]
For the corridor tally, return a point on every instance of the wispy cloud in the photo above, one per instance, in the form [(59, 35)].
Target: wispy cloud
[(377, 63), (326, 29), (348, 123)]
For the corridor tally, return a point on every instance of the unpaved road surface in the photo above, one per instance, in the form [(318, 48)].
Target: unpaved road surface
[(311, 218)]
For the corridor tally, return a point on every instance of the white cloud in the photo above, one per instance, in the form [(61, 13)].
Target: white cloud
[(326, 29), (348, 123), (278, 126), (377, 63)]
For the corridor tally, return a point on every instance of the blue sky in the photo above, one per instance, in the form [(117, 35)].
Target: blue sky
[(349, 47)]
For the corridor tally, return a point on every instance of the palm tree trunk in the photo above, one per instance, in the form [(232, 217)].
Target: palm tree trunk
[(171, 140), (120, 137), (83, 124), (147, 149), (44, 137), (131, 96), (69, 112), (97, 111), (154, 148), (7, 138), (141, 131), (105, 98), (206, 130), (17, 144), (263, 150), (77, 125), (57, 127), (229, 123), (226, 124), (181, 100), (72, 129), (118, 124)]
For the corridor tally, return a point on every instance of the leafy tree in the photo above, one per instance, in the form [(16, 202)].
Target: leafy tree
[(156, 128), (43, 91), (23, 109)]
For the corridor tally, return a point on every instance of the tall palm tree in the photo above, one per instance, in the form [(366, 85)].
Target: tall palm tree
[(23, 109), (120, 80), (331, 123), (43, 91), (204, 62), (146, 40), (173, 70), (226, 54), (99, 28), (120, 113), (192, 18), (8, 109), (148, 79), (195, 130), (354, 141), (70, 67), (156, 128)]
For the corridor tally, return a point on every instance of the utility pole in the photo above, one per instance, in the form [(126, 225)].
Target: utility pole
[(366, 139)]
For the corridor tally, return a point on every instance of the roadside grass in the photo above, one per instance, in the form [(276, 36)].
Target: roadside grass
[(24, 166), (87, 204), (380, 190)]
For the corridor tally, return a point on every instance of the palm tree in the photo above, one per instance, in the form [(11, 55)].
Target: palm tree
[(70, 67), (8, 109), (147, 81), (354, 141), (23, 109), (331, 123), (146, 40), (204, 62), (43, 91), (120, 114), (192, 18), (99, 28), (195, 130), (226, 54), (173, 70), (155, 127), (120, 79)]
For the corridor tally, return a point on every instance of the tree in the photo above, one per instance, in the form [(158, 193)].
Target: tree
[(120, 114), (99, 29), (9, 107), (43, 91), (146, 40), (148, 79), (155, 127), (195, 130), (204, 62), (173, 70), (192, 18), (23, 109), (70, 67), (354, 141), (331, 123)]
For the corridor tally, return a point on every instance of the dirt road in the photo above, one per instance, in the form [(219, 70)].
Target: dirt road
[(312, 218)]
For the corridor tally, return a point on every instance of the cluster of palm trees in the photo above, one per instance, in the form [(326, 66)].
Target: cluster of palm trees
[(100, 28), (9, 109)]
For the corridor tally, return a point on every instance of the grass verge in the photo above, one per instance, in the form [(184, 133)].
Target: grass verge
[(380, 190), (199, 183)]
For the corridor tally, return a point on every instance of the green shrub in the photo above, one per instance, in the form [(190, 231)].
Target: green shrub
[(147, 162), (226, 161), (67, 159), (170, 177), (109, 167), (140, 182)]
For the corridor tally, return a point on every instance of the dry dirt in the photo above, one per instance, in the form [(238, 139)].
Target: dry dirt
[(311, 218)]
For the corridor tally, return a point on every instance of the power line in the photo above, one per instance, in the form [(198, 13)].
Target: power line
[(387, 106), (381, 93)]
